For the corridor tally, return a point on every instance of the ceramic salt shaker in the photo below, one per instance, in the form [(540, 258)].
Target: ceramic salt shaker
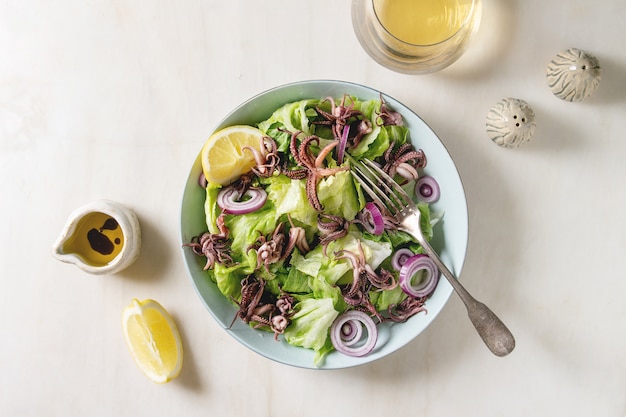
[(101, 237), (573, 75), (510, 122)]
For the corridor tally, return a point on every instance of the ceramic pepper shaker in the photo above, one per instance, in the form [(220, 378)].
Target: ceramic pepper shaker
[(510, 123), (573, 75)]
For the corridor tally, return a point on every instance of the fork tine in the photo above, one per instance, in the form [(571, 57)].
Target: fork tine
[(389, 194), (375, 185), (397, 191), (381, 187), (376, 193)]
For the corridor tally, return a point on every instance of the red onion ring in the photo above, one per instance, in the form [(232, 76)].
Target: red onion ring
[(202, 181), (341, 148), (400, 257), (427, 284), (229, 201), (427, 189), (373, 219), (351, 332), (355, 318)]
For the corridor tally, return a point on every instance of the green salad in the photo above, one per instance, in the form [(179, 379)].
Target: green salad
[(296, 243)]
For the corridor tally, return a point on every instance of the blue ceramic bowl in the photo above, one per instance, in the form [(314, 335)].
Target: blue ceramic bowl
[(450, 240)]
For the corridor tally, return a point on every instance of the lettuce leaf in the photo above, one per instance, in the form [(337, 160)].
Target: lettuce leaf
[(245, 229), (375, 143), (228, 279), (383, 299), (339, 196), (289, 197), (211, 210), (311, 322), (294, 281), (337, 193), (332, 270), (291, 117)]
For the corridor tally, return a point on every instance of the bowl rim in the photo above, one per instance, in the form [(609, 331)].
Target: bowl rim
[(444, 289)]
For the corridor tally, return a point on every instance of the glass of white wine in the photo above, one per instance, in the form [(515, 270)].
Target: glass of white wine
[(415, 36)]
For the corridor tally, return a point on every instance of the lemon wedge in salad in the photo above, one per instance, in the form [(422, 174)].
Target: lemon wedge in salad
[(224, 157), (153, 340)]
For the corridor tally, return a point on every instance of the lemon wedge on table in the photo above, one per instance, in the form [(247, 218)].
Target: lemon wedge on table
[(223, 156), (153, 340)]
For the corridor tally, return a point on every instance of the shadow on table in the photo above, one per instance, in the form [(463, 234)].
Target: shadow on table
[(554, 133), (189, 376), (490, 43), (612, 88), (154, 257)]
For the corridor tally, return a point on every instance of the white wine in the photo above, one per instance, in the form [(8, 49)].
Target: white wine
[(415, 36), (423, 22)]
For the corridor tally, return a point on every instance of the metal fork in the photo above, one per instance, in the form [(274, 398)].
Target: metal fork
[(390, 196)]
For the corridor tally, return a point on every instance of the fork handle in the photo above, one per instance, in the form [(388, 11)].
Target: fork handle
[(490, 328)]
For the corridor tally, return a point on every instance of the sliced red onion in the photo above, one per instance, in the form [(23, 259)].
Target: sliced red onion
[(372, 219), (341, 148), (202, 181), (424, 286), (427, 189), (400, 257), (229, 201), (354, 318), (351, 332)]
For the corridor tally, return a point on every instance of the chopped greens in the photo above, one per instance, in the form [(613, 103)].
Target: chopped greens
[(316, 279)]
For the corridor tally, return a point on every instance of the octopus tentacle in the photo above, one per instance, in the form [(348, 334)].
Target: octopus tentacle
[(331, 228), (259, 158), (251, 293), (306, 158), (297, 238), (387, 116), (339, 116), (296, 174), (266, 157), (293, 147), (214, 246), (354, 294), (406, 309), (311, 191), (404, 161), (324, 153), (311, 165)]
